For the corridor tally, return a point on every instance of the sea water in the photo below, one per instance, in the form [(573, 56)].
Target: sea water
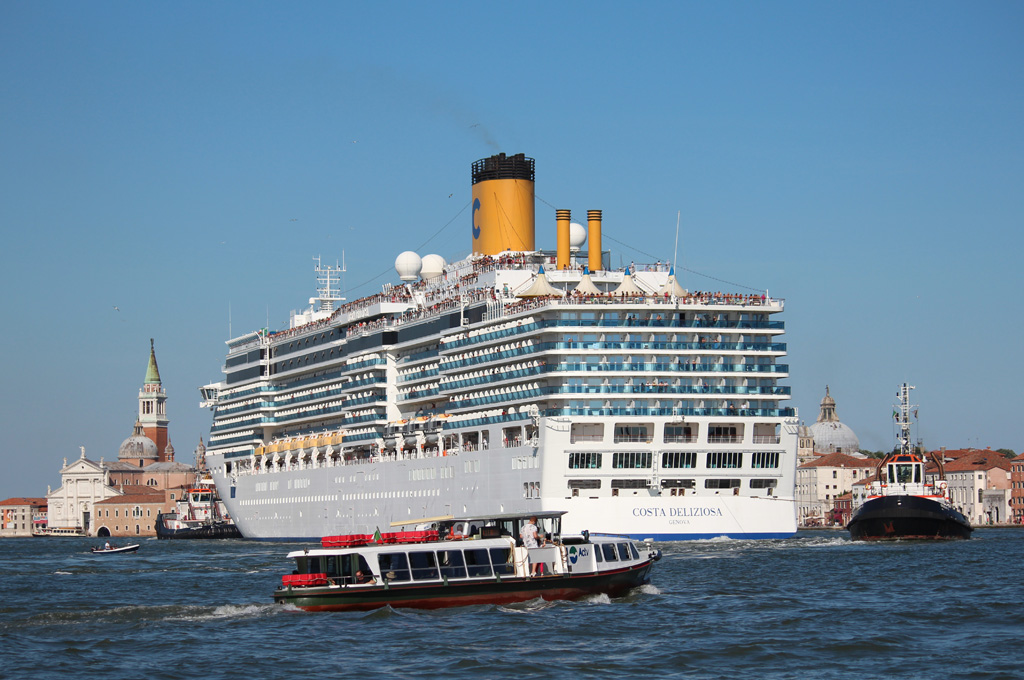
[(814, 606)]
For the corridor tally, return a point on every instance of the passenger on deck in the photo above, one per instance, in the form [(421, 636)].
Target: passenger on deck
[(362, 577), (531, 540)]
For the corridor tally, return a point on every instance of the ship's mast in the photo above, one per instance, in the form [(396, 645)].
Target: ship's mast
[(328, 280), (903, 418)]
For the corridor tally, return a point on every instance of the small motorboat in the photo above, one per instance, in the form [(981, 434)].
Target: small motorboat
[(457, 562), (111, 549)]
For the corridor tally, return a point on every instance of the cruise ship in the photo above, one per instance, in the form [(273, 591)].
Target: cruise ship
[(515, 380)]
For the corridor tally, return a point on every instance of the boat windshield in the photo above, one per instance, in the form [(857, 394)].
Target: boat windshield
[(906, 473)]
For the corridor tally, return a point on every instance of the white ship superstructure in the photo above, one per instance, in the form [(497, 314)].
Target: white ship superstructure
[(514, 380)]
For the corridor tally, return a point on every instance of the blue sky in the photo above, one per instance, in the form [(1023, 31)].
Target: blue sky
[(185, 162)]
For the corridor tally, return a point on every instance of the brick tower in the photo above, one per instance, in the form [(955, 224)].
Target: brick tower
[(153, 406)]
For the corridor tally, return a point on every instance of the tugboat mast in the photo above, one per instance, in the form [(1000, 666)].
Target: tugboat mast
[(903, 418)]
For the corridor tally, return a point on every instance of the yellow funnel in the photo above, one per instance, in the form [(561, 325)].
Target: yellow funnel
[(503, 204)]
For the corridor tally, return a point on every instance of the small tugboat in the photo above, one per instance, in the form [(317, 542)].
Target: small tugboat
[(901, 504), (109, 549), (455, 562), (199, 514)]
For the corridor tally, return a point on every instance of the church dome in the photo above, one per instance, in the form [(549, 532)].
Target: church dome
[(831, 435), (834, 437), (137, 446)]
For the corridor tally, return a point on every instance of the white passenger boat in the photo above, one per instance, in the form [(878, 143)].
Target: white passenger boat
[(457, 562), (514, 380)]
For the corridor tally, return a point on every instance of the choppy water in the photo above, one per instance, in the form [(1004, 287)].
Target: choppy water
[(816, 606)]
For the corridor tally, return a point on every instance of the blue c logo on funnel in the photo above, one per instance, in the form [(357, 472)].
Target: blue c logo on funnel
[(476, 228)]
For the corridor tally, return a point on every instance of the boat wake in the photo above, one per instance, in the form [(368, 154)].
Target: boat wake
[(231, 612), (135, 615)]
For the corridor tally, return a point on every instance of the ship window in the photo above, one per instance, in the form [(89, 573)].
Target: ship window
[(451, 563), (609, 552), (765, 459), (721, 483), (763, 483), (678, 484), (632, 433), (478, 562), (501, 558), (630, 483), (633, 551), (584, 460), (631, 459), (678, 433), (725, 459), (584, 483), (679, 459), (393, 566), (423, 565), (904, 474)]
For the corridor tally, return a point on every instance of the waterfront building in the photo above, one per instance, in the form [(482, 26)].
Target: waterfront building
[(123, 497), (821, 481), (19, 516), (1017, 489), (979, 486), (84, 483)]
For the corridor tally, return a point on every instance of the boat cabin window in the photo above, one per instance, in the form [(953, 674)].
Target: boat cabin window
[(904, 474), (309, 565), (393, 566), (501, 558), (609, 552), (423, 565), (451, 563), (623, 551), (478, 562), (633, 551)]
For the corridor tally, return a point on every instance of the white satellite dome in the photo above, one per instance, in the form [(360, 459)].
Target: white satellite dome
[(408, 265), (433, 266), (577, 235)]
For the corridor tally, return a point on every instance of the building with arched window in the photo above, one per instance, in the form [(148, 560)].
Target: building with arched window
[(123, 497)]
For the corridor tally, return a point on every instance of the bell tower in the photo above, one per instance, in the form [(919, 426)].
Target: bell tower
[(153, 406)]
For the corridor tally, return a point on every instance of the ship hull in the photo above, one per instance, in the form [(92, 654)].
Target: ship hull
[(909, 518), (218, 530), (304, 505), (497, 591)]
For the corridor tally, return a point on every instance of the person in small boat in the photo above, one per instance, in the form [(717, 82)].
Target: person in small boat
[(531, 539), (363, 577), (106, 546)]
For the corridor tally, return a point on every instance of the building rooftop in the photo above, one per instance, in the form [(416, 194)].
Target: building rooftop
[(24, 500), (134, 496), (979, 460)]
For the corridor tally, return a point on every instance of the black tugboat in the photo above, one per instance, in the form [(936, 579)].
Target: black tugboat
[(199, 514), (901, 504)]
